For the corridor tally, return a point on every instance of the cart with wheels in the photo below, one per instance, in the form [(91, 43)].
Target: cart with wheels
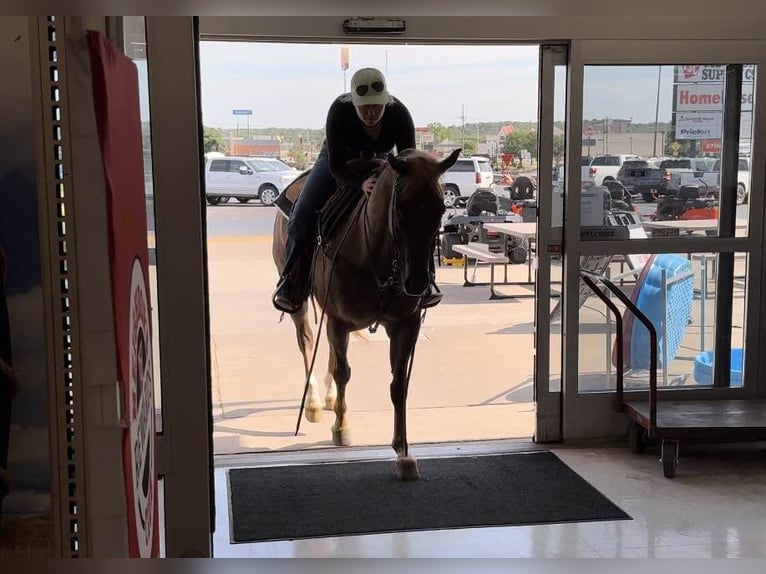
[(673, 421)]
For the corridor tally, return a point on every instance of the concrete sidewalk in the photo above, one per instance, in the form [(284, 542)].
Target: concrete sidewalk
[(471, 380)]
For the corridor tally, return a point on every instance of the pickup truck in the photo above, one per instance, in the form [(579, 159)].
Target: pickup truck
[(604, 167), (743, 178), (650, 178)]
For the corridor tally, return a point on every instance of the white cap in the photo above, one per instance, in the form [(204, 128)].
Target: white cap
[(368, 88)]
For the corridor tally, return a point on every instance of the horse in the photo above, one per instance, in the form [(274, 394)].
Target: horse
[(373, 270)]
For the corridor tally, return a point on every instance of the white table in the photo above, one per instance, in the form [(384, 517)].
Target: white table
[(525, 231)]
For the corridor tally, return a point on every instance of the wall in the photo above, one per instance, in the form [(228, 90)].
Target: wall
[(26, 526)]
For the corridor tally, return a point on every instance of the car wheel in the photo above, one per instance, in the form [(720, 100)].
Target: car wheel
[(243, 199), (213, 199), (268, 193), (224, 199), (450, 196), (741, 195)]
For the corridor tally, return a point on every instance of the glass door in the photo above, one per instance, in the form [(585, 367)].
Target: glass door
[(665, 196)]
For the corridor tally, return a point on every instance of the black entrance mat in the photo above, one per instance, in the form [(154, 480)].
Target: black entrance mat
[(289, 502)]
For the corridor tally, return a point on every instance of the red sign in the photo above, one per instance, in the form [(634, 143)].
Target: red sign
[(344, 58), (711, 146), (115, 93), (590, 130)]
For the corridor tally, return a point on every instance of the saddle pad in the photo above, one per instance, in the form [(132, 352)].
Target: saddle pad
[(289, 195), (337, 210)]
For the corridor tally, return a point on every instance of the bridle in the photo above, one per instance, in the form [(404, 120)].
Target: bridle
[(395, 282)]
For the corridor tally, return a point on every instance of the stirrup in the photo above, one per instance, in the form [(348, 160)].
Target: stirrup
[(284, 302), (431, 299)]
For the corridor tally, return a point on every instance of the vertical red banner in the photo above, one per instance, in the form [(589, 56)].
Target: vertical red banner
[(115, 93)]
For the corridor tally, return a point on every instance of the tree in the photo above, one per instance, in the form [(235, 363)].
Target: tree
[(558, 148), (213, 140), (521, 140)]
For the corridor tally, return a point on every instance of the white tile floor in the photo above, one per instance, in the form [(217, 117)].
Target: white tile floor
[(714, 508)]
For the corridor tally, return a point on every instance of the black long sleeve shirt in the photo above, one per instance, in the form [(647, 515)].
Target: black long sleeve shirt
[(346, 138)]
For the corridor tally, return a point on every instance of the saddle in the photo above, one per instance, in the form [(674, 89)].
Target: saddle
[(341, 204)]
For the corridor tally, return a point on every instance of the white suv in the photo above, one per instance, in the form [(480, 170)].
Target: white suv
[(462, 179), (246, 178)]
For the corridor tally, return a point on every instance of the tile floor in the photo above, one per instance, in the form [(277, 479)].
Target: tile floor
[(715, 507)]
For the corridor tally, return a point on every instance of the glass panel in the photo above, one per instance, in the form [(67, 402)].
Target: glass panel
[(557, 220), (135, 48), (684, 307), (653, 136)]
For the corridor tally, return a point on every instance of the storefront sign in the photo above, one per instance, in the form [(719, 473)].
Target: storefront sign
[(711, 146), (708, 97), (699, 74), (698, 125)]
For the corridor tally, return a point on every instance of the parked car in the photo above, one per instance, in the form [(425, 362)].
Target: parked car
[(463, 178), (246, 178)]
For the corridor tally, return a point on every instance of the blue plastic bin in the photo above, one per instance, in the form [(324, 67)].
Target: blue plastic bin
[(703, 368)]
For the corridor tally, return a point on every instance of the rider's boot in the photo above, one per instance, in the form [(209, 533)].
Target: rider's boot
[(293, 287)]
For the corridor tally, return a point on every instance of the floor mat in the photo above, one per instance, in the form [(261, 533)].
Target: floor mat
[(309, 501)]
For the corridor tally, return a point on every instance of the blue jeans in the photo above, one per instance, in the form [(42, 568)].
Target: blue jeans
[(302, 227)]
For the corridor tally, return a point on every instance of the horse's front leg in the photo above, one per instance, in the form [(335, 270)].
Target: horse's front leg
[(305, 335), (403, 336), (337, 336)]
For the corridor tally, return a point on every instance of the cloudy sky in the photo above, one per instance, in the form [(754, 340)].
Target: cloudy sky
[(292, 85)]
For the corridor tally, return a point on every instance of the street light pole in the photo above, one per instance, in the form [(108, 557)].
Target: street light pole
[(657, 108)]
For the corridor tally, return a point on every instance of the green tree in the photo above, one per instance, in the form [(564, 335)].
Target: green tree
[(558, 148), (213, 140), (521, 140)]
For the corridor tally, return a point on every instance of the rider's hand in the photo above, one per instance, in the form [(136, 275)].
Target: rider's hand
[(369, 184)]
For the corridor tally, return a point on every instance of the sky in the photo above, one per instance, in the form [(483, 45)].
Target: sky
[(292, 85)]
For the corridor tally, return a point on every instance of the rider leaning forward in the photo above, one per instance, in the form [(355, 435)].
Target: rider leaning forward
[(366, 123)]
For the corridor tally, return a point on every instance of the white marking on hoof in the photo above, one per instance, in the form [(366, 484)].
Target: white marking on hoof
[(407, 468)]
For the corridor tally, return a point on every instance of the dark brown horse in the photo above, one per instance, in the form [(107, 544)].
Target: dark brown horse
[(374, 272)]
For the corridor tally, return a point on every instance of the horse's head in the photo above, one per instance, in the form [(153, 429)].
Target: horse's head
[(418, 205)]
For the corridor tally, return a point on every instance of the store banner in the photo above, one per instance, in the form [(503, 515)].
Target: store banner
[(116, 97)]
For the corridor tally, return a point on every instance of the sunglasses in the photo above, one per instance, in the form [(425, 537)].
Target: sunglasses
[(377, 86)]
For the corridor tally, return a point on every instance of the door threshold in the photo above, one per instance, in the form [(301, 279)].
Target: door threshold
[(349, 454)]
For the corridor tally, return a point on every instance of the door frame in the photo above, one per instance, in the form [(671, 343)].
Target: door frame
[(592, 415)]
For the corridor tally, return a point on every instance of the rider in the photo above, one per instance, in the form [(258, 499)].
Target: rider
[(364, 123)]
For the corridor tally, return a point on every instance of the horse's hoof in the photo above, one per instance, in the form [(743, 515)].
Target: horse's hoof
[(313, 414), (340, 437), (407, 468), (329, 404)]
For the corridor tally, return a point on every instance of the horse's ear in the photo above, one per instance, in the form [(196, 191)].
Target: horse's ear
[(449, 161), (400, 166)]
